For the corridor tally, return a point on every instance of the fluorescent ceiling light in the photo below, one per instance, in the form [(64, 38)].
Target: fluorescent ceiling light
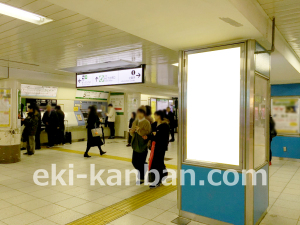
[(23, 15), (175, 64)]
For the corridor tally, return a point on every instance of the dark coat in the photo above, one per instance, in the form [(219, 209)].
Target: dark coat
[(92, 123), (61, 119), (39, 128), (131, 122), (31, 125), (170, 117), (162, 136), (52, 121), (273, 132)]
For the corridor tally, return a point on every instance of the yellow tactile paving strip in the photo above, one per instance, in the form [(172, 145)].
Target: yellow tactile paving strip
[(115, 211), (170, 166), (124, 207)]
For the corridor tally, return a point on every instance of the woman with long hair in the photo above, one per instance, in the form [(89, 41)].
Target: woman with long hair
[(93, 122), (160, 141)]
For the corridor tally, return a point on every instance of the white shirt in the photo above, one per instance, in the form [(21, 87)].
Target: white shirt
[(111, 115)]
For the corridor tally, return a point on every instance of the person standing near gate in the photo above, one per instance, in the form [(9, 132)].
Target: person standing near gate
[(39, 129), (50, 119), (170, 117), (111, 120), (61, 122), (31, 125)]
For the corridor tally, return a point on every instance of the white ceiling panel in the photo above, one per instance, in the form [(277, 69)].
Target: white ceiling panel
[(287, 14), (73, 38)]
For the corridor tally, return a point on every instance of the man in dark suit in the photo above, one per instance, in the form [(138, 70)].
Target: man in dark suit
[(61, 120), (50, 119), (170, 117)]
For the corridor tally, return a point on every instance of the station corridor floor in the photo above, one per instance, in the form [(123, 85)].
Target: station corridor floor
[(23, 202)]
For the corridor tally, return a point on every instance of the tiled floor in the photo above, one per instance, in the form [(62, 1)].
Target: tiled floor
[(284, 205), (23, 202)]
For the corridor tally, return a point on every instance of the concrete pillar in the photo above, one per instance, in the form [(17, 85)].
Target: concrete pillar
[(10, 125)]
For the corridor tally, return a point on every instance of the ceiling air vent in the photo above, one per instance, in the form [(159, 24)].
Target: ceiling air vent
[(231, 21)]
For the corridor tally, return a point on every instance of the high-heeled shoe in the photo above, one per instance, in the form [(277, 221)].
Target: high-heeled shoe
[(102, 153), (87, 156)]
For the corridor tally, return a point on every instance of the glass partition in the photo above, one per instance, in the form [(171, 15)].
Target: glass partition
[(214, 97), (260, 121)]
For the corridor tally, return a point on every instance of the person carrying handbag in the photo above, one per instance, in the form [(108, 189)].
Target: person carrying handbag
[(160, 141), (93, 132)]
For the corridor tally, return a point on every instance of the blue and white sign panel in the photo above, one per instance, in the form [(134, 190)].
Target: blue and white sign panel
[(116, 77)]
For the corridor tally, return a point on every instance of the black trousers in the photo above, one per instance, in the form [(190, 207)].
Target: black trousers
[(61, 136), (111, 126), (138, 162), (51, 138), (172, 133), (88, 147), (38, 140), (129, 139)]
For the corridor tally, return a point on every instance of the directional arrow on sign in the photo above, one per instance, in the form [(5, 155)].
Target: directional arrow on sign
[(138, 75)]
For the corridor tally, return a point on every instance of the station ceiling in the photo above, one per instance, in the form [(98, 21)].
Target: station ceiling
[(150, 32), (287, 17), (73, 40), (178, 24)]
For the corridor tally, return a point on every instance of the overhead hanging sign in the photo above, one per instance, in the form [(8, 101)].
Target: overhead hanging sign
[(39, 91), (96, 95), (116, 77)]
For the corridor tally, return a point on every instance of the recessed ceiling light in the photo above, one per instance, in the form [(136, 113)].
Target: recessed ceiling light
[(175, 64), (23, 15)]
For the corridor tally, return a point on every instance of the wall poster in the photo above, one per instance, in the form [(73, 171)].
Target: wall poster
[(162, 104), (19, 103), (5, 107), (118, 101), (36, 90), (285, 112)]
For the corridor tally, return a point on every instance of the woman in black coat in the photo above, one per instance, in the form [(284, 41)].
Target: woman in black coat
[(133, 115), (160, 135), (273, 133), (92, 123)]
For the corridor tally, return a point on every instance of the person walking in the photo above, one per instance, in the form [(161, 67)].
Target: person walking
[(31, 125), (140, 127), (133, 115), (61, 124), (50, 119), (39, 129), (273, 133), (160, 141), (170, 117), (93, 122), (111, 120)]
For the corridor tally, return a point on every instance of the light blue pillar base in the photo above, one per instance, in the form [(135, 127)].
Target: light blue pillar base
[(221, 203)]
